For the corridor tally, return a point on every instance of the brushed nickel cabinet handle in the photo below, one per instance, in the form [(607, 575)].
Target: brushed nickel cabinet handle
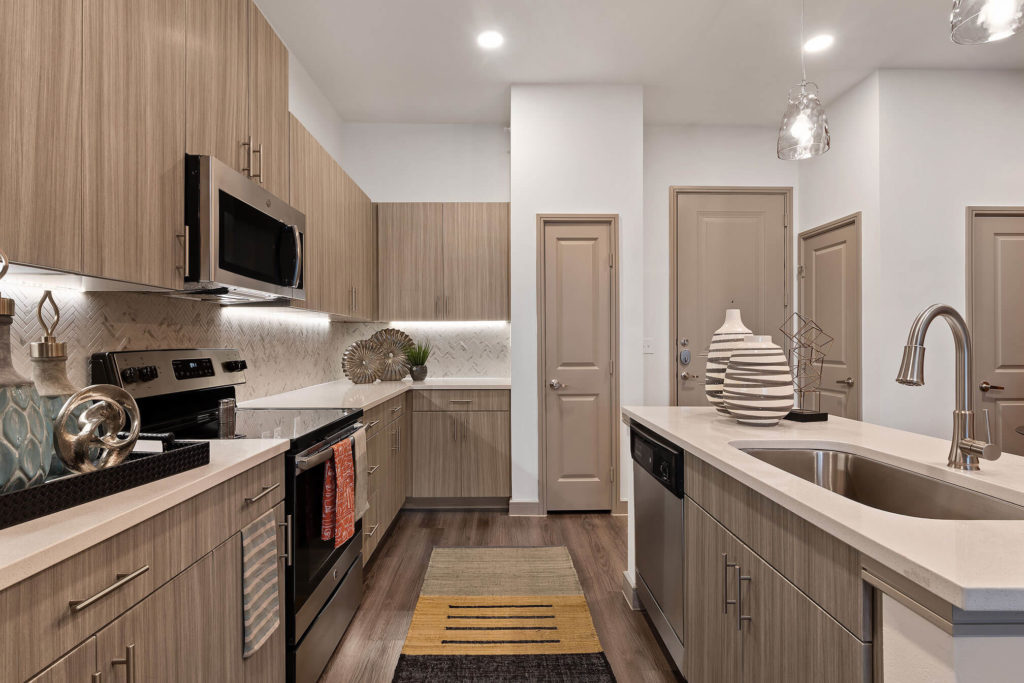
[(267, 488), (122, 580), (726, 566), (373, 530), (460, 400), (395, 409), (740, 617), (129, 663), (437, 307), (455, 429), (247, 169), (183, 236), (373, 469), (258, 177), (97, 677), (287, 540), (985, 386), (352, 300), (446, 307)]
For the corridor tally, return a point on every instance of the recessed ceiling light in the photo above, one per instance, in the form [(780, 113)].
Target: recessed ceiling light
[(822, 41), (490, 40)]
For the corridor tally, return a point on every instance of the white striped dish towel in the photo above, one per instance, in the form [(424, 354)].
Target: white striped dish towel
[(260, 599)]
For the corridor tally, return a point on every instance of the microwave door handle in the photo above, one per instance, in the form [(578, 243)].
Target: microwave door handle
[(298, 256)]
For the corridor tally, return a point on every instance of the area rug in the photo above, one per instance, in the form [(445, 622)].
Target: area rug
[(502, 614)]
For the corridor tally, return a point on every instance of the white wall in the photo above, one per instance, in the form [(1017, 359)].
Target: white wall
[(309, 105), (691, 155), (398, 162), (575, 149), (912, 149)]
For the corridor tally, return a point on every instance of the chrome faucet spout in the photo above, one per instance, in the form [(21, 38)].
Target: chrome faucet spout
[(965, 450)]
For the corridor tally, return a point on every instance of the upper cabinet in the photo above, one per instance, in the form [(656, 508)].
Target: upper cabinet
[(268, 104), (340, 249), (443, 261), (41, 135), (237, 90), (133, 125)]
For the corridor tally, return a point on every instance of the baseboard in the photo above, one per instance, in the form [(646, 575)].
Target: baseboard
[(629, 591), (465, 503), (526, 508)]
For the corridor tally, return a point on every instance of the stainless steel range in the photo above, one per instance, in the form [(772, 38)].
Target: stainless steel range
[(191, 393)]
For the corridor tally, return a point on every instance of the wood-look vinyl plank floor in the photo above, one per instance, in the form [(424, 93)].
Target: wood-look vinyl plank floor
[(597, 542)]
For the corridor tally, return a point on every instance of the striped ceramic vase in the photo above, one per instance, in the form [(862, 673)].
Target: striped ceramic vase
[(725, 339), (758, 383)]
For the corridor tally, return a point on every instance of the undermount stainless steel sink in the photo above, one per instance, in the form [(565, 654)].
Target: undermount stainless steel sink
[(885, 487)]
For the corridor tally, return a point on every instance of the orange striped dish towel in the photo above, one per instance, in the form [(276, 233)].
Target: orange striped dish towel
[(338, 515)]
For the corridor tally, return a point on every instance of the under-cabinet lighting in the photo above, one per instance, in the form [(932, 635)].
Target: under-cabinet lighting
[(449, 324), (276, 314)]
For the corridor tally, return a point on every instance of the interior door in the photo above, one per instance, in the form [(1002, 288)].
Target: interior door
[(578, 349), (996, 313), (830, 293), (730, 253)]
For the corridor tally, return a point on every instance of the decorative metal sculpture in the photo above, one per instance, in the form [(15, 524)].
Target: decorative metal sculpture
[(393, 344), (97, 443), (363, 362), (808, 346)]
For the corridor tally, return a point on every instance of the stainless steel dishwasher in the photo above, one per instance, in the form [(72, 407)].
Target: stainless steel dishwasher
[(658, 506)]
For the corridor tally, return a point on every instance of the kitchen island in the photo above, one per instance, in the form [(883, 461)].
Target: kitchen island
[(946, 595)]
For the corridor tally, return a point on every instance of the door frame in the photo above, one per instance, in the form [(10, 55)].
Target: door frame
[(973, 212), (853, 219), (618, 506), (673, 231)]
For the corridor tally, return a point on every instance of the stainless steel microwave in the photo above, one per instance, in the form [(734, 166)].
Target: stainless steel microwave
[(242, 243)]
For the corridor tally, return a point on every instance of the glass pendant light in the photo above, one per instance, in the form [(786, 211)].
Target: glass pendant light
[(984, 21), (804, 130)]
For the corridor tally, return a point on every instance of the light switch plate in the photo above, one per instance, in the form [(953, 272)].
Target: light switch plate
[(648, 347)]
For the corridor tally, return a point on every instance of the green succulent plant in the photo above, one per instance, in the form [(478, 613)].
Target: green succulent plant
[(418, 354)]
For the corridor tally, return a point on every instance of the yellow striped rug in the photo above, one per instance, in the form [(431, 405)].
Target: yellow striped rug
[(502, 614)]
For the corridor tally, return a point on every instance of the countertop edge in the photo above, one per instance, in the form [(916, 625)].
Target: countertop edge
[(967, 598), (298, 399), (104, 528)]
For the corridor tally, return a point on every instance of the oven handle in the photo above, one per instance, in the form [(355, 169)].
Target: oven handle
[(321, 456)]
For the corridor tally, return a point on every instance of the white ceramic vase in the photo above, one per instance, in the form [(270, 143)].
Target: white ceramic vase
[(724, 341), (758, 383)]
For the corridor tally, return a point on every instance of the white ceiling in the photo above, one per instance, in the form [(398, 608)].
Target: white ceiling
[(701, 61)]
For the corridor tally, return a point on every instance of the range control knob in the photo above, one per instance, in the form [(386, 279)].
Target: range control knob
[(148, 373), (235, 365), (130, 375)]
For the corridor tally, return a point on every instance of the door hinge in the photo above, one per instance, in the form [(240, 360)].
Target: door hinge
[(611, 260), (611, 367), (800, 271), (611, 472)]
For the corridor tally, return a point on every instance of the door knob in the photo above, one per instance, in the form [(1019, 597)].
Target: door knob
[(985, 386), (848, 381), (555, 384)]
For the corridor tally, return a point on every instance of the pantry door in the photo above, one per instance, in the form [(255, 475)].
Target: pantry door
[(729, 248)]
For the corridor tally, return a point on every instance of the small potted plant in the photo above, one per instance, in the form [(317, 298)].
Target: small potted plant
[(418, 355)]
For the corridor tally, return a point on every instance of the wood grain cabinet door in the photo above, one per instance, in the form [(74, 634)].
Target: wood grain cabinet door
[(436, 465), (476, 261), (485, 454), (217, 80), (133, 126), (77, 666), (190, 629), (411, 276), (709, 611), (788, 638), (41, 135), (268, 104)]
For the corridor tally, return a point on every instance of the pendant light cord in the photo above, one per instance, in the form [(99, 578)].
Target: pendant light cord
[(803, 66)]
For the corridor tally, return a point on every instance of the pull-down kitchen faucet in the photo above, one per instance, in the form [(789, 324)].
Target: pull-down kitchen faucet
[(965, 450)]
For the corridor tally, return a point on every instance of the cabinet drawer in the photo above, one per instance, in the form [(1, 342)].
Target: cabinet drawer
[(460, 399), (823, 567), (393, 409), (39, 622), (374, 420)]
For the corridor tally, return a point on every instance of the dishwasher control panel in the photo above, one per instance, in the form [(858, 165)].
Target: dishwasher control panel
[(663, 460)]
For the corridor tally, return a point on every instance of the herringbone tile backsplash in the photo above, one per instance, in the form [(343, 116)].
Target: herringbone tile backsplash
[(285, 350)]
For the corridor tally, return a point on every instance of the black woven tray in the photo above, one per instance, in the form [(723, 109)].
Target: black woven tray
[(140, 468)]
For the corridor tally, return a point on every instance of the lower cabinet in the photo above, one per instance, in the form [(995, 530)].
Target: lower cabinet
[(77, 665), (461, 454), (387, 453), (743, 621)]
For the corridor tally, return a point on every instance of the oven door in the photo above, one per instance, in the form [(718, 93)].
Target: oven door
[(247, 238), (315, 569)]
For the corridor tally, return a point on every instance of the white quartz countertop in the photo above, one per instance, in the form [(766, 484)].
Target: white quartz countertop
[(33, 546), (345, 394), (973, 565)]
